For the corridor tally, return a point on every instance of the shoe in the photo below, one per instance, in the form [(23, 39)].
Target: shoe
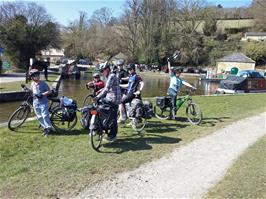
[(46, 132), (110, 139), (92, 134), (121, 121)]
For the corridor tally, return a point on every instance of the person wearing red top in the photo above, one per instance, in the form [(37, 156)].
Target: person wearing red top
[(97, 84)]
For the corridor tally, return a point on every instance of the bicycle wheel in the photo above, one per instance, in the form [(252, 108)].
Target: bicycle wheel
[(162, 113), (138, 124), (57, 120), (88, 100), (18, 117), (96, 138), (194, 113)]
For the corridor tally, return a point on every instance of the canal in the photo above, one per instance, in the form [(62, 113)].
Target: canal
[(156, 84)]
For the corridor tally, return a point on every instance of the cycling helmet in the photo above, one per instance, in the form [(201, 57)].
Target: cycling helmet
[(131, 66), (34, 72), (176, 70), (120, 62), (96, 75), (103, 66)]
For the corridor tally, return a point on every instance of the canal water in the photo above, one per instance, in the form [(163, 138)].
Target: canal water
[(156, 84)]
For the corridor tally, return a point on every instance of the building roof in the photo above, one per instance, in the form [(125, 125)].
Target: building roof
[(255, 34), (236, 57)]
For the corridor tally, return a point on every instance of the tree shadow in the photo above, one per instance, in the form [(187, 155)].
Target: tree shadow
[(138, 143), (211, 121), (159, 127)]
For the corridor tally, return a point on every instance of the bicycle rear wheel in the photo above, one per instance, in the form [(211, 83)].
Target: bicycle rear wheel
[(57, 120), (96, 138), (138, 124), (162, 113), (18, 117), (194, 113), (88, 100)]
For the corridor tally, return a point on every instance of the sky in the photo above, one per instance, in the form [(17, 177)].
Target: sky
[(65, 11)]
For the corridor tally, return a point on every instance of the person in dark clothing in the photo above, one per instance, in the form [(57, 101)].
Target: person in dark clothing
[(121, 74), (134, 87)]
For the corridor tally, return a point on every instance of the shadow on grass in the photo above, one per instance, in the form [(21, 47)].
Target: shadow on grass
[(211, 121), (159, 127), (138, 143)]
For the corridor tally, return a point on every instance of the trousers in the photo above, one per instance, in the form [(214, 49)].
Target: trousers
[(42, 113)]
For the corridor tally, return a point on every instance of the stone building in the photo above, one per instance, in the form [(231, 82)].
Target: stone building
[(238, 60)]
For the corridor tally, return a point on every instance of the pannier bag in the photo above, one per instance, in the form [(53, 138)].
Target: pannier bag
[(148, 109), (162, 102), (105, 115), (136, 108), (70, 108)]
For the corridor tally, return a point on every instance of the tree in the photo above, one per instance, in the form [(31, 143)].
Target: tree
[(25, 29), (258, 9), (256, 51), (210, 22)]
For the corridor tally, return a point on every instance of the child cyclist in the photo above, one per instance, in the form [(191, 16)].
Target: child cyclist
[(97, 84), (175, 85), (40, 92)]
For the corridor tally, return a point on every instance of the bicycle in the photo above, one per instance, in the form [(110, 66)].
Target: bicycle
[(138, 113), (89, 98), (20, 115), (163, 107), (100, 122)]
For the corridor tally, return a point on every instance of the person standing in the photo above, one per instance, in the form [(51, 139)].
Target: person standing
[(175, 85), (111, 94), (40, 92)]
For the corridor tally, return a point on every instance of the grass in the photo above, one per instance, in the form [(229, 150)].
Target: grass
[(62, 165), (15, 86), (247, 177)]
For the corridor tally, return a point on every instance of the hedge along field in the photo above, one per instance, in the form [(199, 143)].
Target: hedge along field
[(63, 164)]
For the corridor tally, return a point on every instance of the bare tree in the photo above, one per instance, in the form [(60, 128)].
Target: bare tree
[(258, 9)]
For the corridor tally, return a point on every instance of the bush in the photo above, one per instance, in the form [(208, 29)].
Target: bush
[(256, 51)]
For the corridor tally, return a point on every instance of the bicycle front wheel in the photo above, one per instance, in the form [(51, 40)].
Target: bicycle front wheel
[(58, 123), (162, 113), (96, 138), (194, 113), (88, 100), (18, 117)]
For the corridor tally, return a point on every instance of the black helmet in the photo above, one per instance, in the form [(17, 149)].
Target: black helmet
[(120, 62), (34, 72), (131, 66), (103, 66), (96, 75)]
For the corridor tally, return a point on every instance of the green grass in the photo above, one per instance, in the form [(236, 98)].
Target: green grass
[(62, 165), (247, 177), (15, 86)]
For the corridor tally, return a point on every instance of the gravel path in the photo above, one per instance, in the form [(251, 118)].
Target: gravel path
[(187, 172)]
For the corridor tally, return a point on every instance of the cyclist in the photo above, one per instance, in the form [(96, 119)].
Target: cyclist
[(134, 88), (175, 84), (40, 92), (122, 74), (110, 94), (97, 84)]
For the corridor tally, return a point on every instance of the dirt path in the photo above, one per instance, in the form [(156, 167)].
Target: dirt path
[(187, 172)]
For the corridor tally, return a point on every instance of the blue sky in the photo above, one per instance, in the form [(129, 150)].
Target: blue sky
[(64, 11)]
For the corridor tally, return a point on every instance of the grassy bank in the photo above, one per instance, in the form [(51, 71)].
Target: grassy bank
[(247, 177), (15, 86), (62, 165)]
